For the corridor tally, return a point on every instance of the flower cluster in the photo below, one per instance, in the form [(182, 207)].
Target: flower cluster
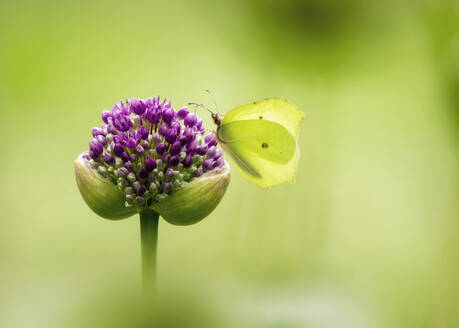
[(148, 149)]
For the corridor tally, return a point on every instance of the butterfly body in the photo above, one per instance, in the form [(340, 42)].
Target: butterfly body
[(261, 138)]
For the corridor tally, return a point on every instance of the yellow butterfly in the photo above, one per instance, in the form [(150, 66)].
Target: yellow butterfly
[(261, 138)]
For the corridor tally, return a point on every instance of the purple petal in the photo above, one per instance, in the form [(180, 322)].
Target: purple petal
[(161, 148), (171, 135), (191, 119), (174, 160), (188, 160), (143, 173), (96, 147), (138, 106), (142, 133), (97, 132), (118, 149), (211, 152), (182, 113), (168, 115), (167, 187), (163, 130), (150, 164), (141, 190), (129, 166), (202, 149), (125, 157), (207, 164), (176, 147), (106, 115), (108, 159)]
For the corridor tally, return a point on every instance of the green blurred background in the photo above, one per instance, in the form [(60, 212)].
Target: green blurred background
[(368, 235)]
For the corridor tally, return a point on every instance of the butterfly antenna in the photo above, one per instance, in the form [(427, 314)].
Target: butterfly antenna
[(200, 105), (213, 99)]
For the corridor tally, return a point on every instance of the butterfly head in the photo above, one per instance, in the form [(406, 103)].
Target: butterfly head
[(217, 118)]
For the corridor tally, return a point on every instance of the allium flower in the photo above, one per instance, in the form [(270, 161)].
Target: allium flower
[(149, 150), (150, 159)]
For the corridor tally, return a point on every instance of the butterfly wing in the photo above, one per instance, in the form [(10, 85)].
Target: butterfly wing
[(276, 110), (261, 138), (264, 152)]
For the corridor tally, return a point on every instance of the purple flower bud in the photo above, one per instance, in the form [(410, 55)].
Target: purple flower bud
[(202, 149), (208, 137), (168, 115), (131, 177), (92, 155), (207, 165), (142, 133), (117, 139), (108, 159), (125, 157), (138, 106), (150, 115), (150, 164), (141, 190), (96, 147), (155, 138), (85, 157), (218, 154), (191, 119), (218, 163), (140, 151), (167, 187), (145, 145), (163, 130), (182, 113), (213, 142), (165, 157), (122, 122), (131, 142), (174, 160), (171, 135), (112, 129), (176, 147), (198, 172), (106, 115), (101, 139), (161, 148), (188, 160), (143, 174), (182, 139), (169, 174), (97, 132), (118, 149), (211, 152), (177, 126), (122, 172), (128, 165), (199, 125), (189, 134), (191, 147)]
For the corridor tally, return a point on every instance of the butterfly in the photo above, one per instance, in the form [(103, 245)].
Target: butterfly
[(261, 139)]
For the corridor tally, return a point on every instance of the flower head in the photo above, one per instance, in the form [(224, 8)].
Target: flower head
[(149, 150)]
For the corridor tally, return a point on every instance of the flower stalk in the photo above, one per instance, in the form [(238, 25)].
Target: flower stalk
[(149, 220)]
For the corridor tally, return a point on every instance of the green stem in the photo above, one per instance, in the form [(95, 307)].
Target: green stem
[(149, 240)]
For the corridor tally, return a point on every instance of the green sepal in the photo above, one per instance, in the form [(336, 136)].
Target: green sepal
[(100, 194), (196, 199)]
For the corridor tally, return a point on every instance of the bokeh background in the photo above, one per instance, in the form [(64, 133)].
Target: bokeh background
[(368, 235)]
